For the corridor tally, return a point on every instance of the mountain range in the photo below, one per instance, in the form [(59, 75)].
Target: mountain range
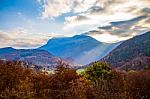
[(132, 54), (36, 57), (76, 51)]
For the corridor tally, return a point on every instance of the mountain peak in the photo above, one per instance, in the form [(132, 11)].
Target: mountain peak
[(8, 48), (81, 36), (82, 49)]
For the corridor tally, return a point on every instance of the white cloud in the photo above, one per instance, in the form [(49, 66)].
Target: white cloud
[(108, 38), (55, 8), (106, 11), (21, 38), (115, 11), (83, 5)]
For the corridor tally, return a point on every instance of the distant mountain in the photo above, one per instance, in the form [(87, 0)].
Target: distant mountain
[(6, 50), (132, 54), (81, 49), (30, 56)]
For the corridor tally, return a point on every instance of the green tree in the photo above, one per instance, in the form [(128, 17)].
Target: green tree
[(98, 72)]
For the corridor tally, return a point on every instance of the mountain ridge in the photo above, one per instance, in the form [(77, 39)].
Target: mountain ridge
[(82, 49), (36, 57), (131, 54)]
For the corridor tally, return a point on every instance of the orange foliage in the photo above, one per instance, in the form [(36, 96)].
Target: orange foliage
[(19, 82)]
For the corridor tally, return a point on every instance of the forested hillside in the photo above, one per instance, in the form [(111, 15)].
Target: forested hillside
[(131, 54)]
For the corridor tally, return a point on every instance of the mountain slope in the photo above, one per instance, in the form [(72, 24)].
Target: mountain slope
[(81, 49), (30, 56), (131, 54)]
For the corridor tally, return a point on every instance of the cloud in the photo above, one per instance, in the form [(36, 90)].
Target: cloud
[(74, 20), (89, 14), (95, 9), (105, 11), (121, 30), (55, 8), (21, 38), (118, 19)]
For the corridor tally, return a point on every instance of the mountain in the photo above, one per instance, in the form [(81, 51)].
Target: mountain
[(133, 54), (6, 50), (30, 56), (81, 49)]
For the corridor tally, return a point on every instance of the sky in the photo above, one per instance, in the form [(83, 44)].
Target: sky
[(31, 23)]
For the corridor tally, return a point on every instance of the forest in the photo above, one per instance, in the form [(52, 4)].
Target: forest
[(98, 81)]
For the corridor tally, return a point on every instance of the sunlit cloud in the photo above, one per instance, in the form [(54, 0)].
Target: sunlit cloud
[(103, 12), (135, 13), (108, 38), (55, 8), (21, 38), (121, 30)]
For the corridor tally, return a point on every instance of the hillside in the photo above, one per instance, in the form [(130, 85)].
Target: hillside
[(81, 49), (30, 56), (131, 54)]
